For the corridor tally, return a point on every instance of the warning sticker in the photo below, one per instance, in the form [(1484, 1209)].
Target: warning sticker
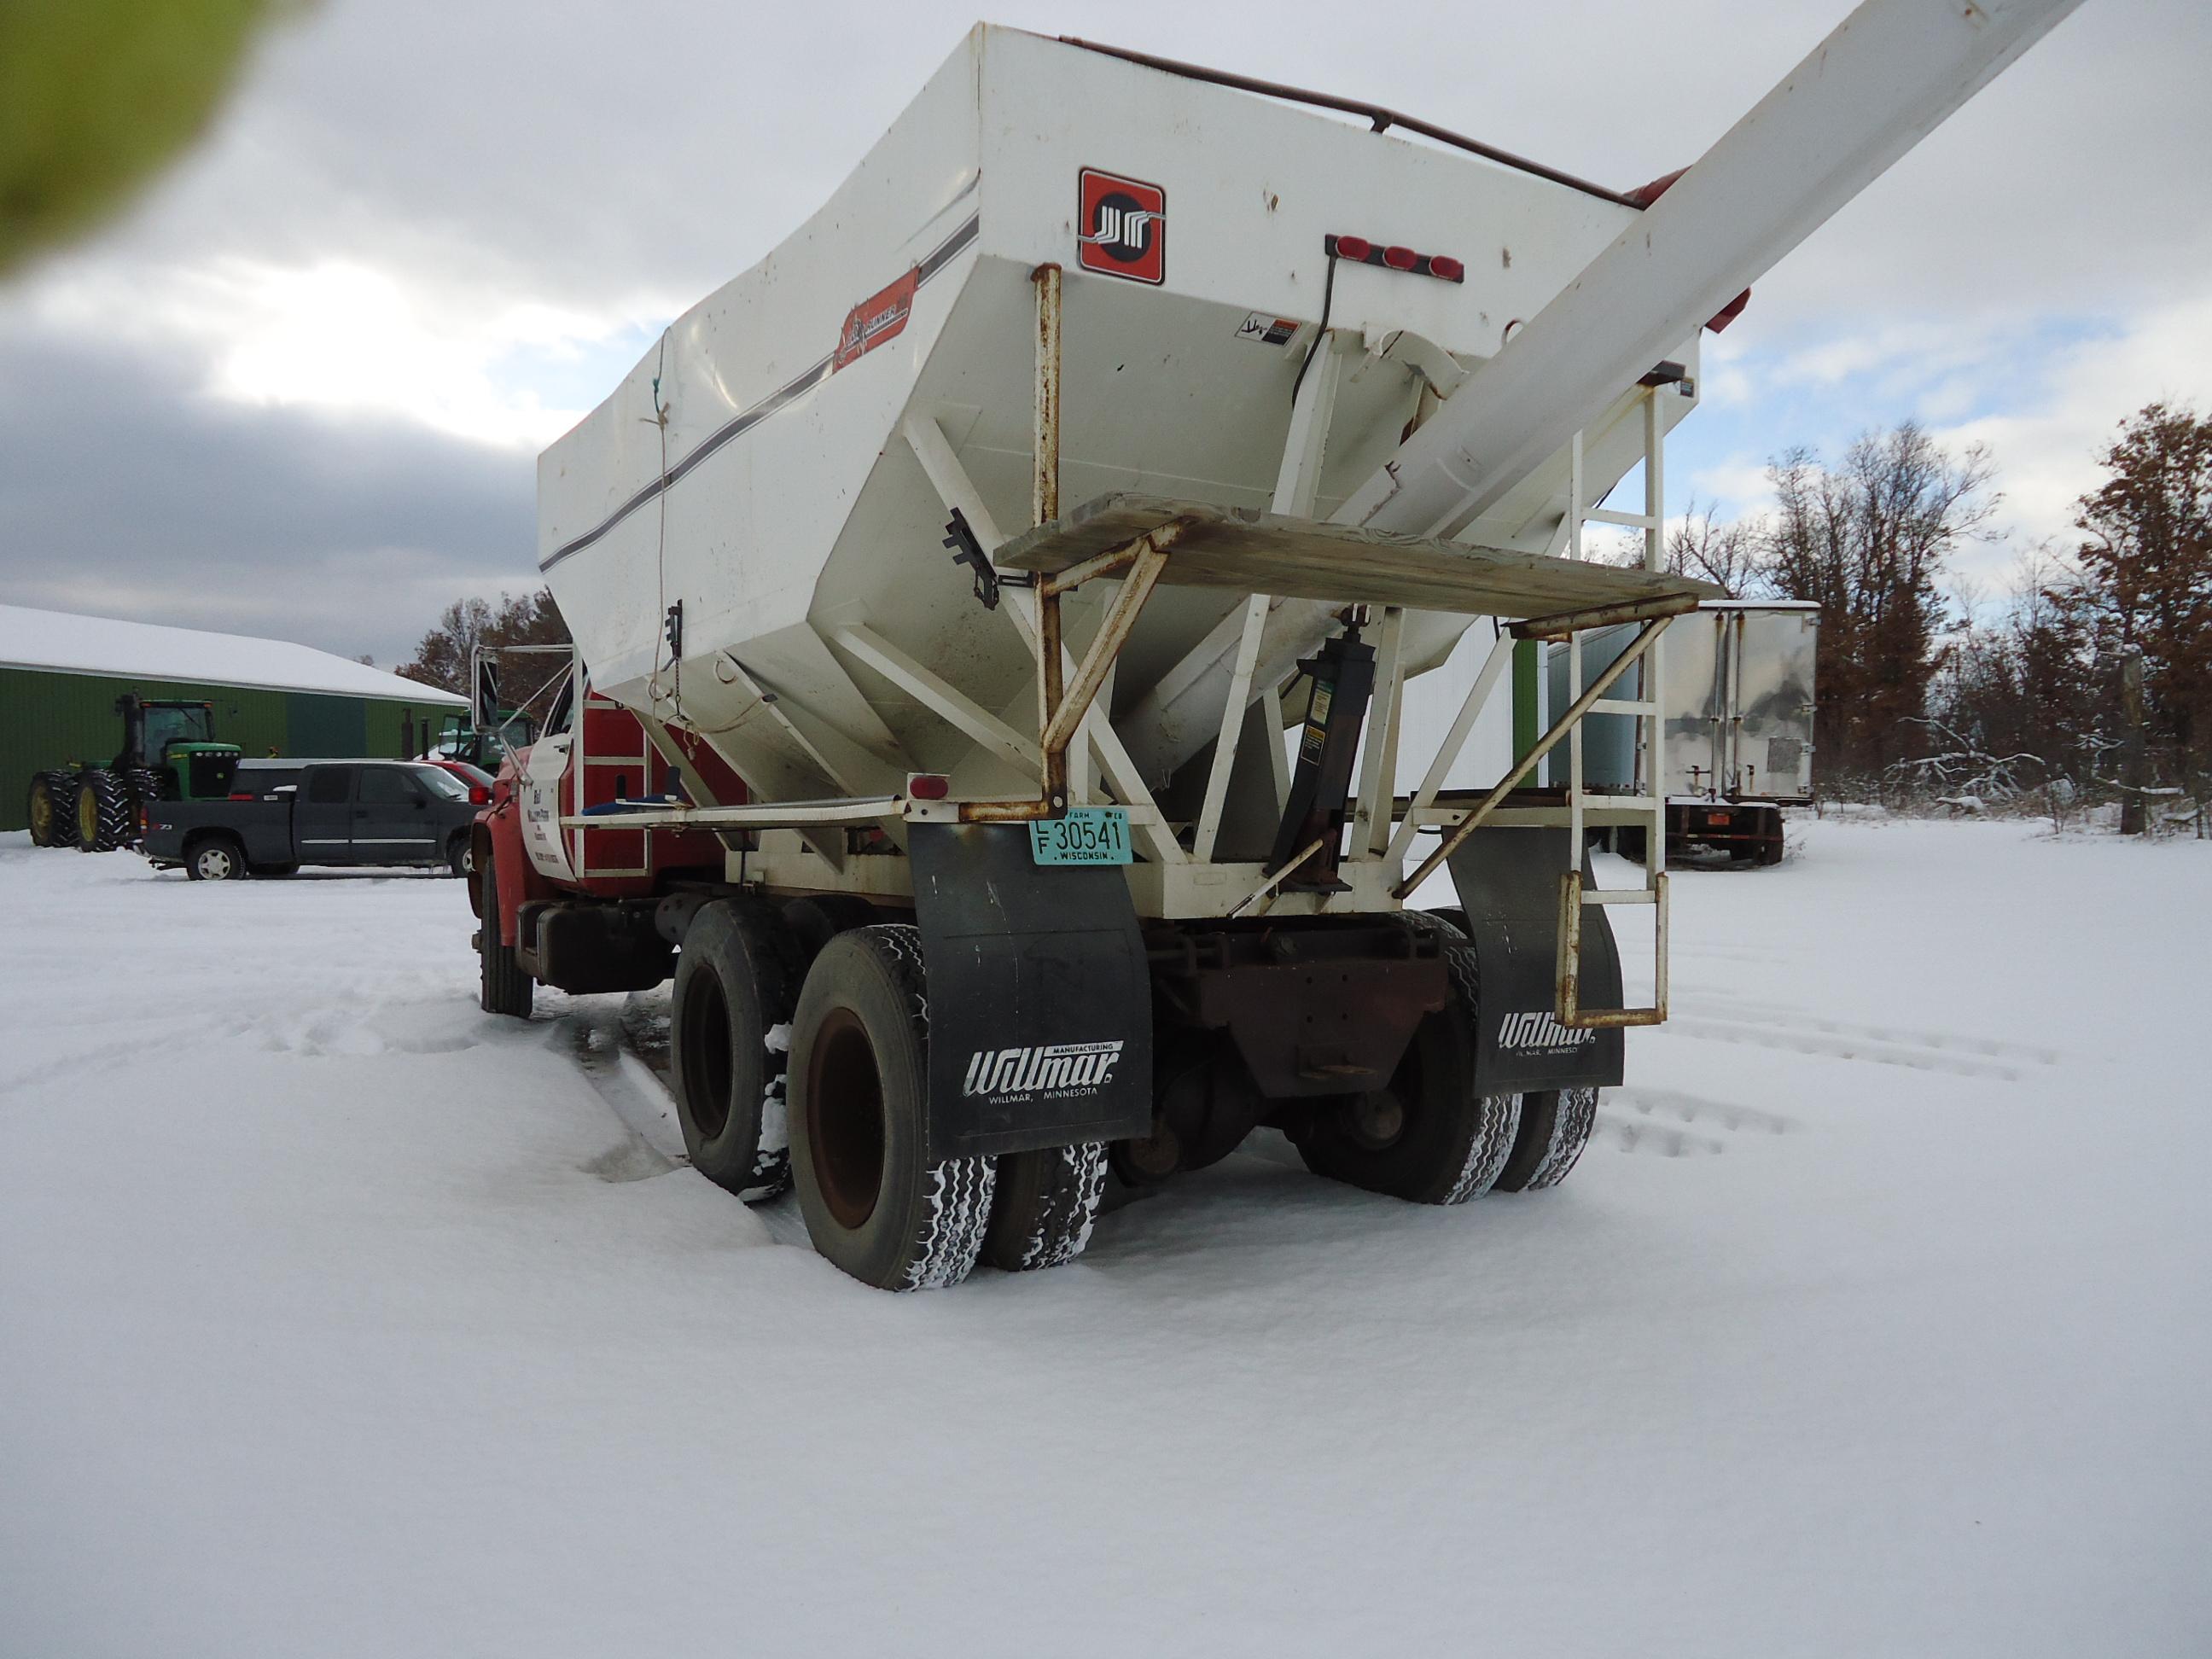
[(1260, 327)]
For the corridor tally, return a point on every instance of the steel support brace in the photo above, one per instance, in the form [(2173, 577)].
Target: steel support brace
[(1566, 723), (1447, 753), (1146, 557)]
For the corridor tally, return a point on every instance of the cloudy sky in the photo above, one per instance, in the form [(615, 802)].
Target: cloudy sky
[(299, 390)]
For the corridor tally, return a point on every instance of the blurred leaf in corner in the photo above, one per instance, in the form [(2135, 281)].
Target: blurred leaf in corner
[(97, 96)]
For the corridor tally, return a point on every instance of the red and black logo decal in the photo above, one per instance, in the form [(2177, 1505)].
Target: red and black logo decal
[(875, 321), (1121, 227)]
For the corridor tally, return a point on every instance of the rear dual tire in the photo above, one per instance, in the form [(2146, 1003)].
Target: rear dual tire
[(1426, 1137), (737, 987), (876, 1204)]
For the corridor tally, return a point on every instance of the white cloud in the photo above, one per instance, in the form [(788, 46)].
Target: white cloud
[(346, 338), (2047, 443)]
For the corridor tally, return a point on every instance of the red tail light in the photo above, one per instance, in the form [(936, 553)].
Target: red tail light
[(1400, 258), (1449, 269), (1354, 247), (237, 797), (928, 786), (478, 795)]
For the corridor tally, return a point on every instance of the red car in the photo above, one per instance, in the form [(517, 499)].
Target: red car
[(478, 781)]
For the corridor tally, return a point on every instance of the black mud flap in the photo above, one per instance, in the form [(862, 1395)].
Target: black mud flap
[(1508, 884), (1040, 999)]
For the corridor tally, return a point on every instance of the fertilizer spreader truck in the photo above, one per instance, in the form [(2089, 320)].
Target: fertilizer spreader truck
[(945, 587)]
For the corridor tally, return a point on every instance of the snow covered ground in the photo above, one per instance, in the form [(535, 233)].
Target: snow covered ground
[(338, 1318)]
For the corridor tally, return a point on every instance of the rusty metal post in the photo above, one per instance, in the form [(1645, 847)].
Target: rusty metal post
[(1044, 488)]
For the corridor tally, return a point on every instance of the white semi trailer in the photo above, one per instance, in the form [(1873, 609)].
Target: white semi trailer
[(961, 565), (1735, 718)]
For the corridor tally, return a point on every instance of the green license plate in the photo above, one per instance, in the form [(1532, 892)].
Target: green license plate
[(1088, 835)]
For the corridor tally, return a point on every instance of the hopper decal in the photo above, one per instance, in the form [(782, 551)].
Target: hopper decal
[(1121, 227), (875, 321)]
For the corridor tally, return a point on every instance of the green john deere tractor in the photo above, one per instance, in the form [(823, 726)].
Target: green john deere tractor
[(168, 753)]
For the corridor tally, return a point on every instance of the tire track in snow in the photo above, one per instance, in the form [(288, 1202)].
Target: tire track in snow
[(1667, 1123)]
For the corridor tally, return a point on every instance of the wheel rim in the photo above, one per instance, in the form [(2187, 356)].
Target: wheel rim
[(845, 1119), (214, 863), (87, 815), (706, 1056), (42, 814)]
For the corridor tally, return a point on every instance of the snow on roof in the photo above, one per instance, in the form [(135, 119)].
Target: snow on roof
[(63, 642)]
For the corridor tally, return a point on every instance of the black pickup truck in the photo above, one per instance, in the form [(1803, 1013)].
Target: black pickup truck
[(282, 814)]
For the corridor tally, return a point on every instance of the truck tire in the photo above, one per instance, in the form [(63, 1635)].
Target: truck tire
[(458, 855), (819, 919), (1427, 1137), (876, 1205), (737, 985), (46, 810), (501, 986), (1042, 1206), (104, 812), (215, 858), (1555, 1127)]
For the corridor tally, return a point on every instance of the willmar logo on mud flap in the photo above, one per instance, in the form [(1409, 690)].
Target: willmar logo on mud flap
[(1121, 227), (1054, 1070), (876, 320), (1540, 1033)]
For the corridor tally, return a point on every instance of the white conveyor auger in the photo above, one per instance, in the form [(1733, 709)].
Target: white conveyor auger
[(944, 579)]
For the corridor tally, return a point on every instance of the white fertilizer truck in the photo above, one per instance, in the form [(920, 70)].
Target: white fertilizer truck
[(944, 585)]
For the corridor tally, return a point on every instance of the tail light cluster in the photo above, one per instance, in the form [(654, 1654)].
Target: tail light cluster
[(1362, 251)]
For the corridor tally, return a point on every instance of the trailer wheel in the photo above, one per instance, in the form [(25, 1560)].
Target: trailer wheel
[(1555, 1127), (1043, 1206), (46, 812), (215, 858), (737, 985), (103, 811), (1427, 1136), (502, 987), (876, 1205)]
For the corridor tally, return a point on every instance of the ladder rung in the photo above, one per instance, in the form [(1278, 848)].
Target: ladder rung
[(1622, 706), (1619, 895)]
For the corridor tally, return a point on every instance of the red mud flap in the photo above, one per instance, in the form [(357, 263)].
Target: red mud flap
[(1040, 996)]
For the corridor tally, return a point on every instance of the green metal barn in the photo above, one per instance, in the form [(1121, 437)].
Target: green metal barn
[(60, 675)]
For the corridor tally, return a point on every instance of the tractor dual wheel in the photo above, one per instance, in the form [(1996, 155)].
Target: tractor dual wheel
[(1426, 1136), (502, 987), (738, 976), (876, 1204), (216, 858), (49, 810), (105, 811)]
